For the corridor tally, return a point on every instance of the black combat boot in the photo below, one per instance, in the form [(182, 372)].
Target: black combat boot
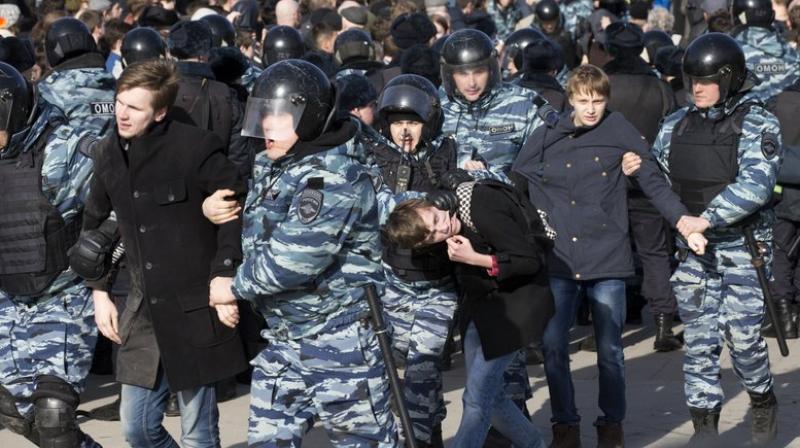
[(610, 435), (665, 340), (566, 435), (787, 320), (765, 412), (436, 439), (706, 426)]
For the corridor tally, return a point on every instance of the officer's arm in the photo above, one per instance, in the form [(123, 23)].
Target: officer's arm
[(655, 186), (759, 160), (215, 172), (304, 245), (239, 151), (387, 200)]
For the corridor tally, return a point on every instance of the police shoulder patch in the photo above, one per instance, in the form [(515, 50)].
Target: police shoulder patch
[(310, 205), (769, 145), (102, 108)]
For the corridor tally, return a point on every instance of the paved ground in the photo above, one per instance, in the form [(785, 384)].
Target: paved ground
[(657, 416)]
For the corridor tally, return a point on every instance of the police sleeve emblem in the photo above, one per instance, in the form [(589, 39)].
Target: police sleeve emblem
[(769, 145), (310, 205)]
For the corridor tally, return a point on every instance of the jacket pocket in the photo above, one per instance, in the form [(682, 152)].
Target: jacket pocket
[(202, 327), (170, 192)]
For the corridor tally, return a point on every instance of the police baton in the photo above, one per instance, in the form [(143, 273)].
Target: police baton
[(379, 327), (757, 259)]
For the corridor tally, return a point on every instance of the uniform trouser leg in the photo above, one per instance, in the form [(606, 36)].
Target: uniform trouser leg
[(53, 337), (785, 271), (649, 232), (337, 376), (421, 344), (718, 299)]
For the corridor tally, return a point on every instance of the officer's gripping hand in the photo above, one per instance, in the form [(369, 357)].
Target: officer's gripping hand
[(105, 315), (688, 225), (474, 165), (220, 208), (221, 297), (450, 180), (697, 243), (631, 162)]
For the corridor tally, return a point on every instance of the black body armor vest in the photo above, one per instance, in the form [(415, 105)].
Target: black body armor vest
[(34, 239), (404, 174), (703, 157)]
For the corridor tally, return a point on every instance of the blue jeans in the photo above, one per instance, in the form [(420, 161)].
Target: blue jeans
[(486, 404), (142, 411), (607, 299)]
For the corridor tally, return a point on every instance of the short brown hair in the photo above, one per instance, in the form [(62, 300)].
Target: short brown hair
[(157, 75), (588, 79), (405, 226)]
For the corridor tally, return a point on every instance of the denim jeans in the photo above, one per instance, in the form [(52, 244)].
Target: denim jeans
[(486, 404), (607, 299), (142, 411)]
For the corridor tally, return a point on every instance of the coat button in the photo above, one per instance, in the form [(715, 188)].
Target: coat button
[(596, 159), (136, 194), (569, 165), (170, 197), (142, 229), (605, 174), (227, 262), (153, 300), (577, 275), (572, 202), (574, 239), (148, 265)]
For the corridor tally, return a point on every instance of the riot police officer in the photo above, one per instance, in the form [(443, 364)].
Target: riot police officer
[(767, 53), (552, 23), (311, 244), (728, 185), (78, 84), (354, 52), (420, 298), (47, 330), (511, 59), (223, 34), (141, 44), (282, 42)]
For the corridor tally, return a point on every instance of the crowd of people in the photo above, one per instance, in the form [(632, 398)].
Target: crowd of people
[(211, 188)]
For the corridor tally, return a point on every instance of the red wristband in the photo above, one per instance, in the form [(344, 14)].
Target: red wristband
[(495, 270)]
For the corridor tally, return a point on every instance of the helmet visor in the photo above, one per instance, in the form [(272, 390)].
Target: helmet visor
[(272, 119), (405, 99)]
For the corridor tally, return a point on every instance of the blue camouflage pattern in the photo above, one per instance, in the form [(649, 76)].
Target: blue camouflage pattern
[(52, 334), (85, 95), (719, 297), (305, 268), (505, 20), (574, 12), (494, 128), (338, 378), (250, 75), (770, 57)]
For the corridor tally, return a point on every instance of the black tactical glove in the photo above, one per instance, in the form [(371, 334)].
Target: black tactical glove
[(444, 200), (453, 178), (90, 257)]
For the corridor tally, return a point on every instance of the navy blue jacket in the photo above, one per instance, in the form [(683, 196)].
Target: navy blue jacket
[(575, 175)]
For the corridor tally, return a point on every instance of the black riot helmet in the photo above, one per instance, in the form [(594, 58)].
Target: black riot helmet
[(653, 40), (282, 42), (17, 100), (753, 13), (415, 96), (515, 45), (353, 45), (67, 38), (716, 57), (223, 34), (616, 7), (547, 11), (289, 97), (468, 49), (142, 44)]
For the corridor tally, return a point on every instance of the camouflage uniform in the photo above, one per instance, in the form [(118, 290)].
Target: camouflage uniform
[(250, 76), (311, 243), (419, 315), (493, 130), (718, 294), (54, 333), (504, 20), (768, 55), (573, 13), (85, 95)]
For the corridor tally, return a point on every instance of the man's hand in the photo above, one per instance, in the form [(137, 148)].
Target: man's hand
[(105, 315), (631, 162), (219, 209), (474, 165), (228, 314), (697, 243), (460, 250), (219, 291), (688, 225)]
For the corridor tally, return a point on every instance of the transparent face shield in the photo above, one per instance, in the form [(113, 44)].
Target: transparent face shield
[(273, 119), (6, 108)]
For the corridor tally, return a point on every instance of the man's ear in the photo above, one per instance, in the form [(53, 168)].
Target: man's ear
[(161, 114)]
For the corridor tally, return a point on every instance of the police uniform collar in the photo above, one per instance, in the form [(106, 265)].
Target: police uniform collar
[(338, 134), (86, 60)]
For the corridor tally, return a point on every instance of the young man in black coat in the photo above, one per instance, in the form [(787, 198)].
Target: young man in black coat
[(499, 244), (154, 173)]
